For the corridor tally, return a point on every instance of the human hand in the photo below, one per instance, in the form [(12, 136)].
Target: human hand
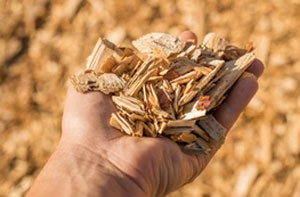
[(102, 160)]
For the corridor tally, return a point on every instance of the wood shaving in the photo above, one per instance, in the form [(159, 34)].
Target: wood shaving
[(171, 90)]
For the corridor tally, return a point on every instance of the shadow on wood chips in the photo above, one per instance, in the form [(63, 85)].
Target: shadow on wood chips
[(43, 42)]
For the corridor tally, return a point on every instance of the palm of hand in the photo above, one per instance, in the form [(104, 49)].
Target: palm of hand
[(154, 164)]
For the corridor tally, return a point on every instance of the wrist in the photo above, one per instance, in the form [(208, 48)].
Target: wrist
[(74, 169)]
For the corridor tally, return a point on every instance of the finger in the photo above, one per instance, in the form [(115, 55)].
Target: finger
[(257, 68), (238, 99), (188, 36)]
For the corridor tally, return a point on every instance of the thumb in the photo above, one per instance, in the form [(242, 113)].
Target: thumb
[(88, 113)]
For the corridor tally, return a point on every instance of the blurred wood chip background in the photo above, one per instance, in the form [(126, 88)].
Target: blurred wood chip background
[(43, 42)]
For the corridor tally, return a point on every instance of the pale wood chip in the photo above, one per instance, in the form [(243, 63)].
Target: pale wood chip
[(133, 100), (140, 70), (215, 42), (125, 125), (108, 65), (188, 49), (138, 84), (184, 137), (160, 113), (156, 125), (186, 77), (203, 70), (167, 86), (179, 130), (159, 43), (181, 123), (139, 129), (149, 129), (153, 99), (103, 50), (233, 70), (110, 83), (134, 117), (114, 121), (203, 82), (162, 127), (124, 66), (85, 82), (196, 54), (129, 106), (194, 115), (177, 97)]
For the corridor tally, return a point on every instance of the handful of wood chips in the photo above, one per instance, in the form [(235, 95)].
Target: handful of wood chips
[(166, 87)]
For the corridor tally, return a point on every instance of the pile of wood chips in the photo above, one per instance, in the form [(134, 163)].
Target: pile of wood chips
[(168, 87)]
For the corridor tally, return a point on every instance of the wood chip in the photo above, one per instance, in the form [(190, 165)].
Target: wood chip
[(167, 88), (160, 43), (212, 127), (233, 70)]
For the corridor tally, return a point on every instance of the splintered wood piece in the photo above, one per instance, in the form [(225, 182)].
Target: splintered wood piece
[(177, 96), (110, 83), (127, 105), (181, 123), (163, 126), (101, 52), (148, 130), (184, 137), (167, 86), (232, 52), (138, 84), (164, 99), (138, 129), (196, 54), (214, 42), (153, 99), (232, 71), (85, 82), (194, 115), (204, 145), (203, 82), (177, 70), (188, 49), (192, 148), (135, 117), (133, 100), (179, 130), (108, 65), (160, 113), (200, 132), (202, 70), (186, 77), (114, 122), (123, 123), (212, 127), (125, 65), (140, 70), (189, 86), (161, 43)]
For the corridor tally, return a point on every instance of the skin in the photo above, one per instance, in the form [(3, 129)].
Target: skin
[(93, 159)]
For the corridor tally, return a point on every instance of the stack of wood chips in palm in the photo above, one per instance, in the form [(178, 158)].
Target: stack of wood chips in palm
[(166, 87)]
